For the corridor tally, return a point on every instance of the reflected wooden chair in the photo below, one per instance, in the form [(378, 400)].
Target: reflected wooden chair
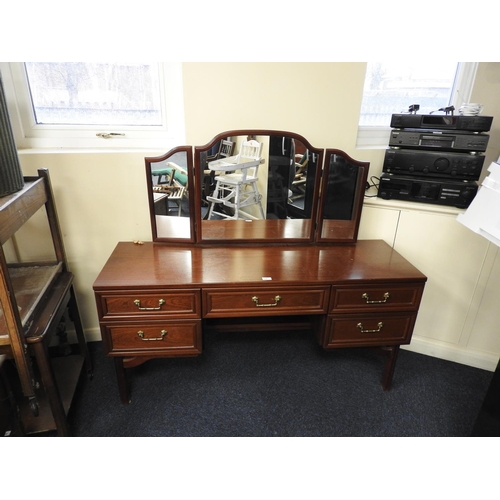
[(236, 184), (299, 181), (226, 148), (172, 185)]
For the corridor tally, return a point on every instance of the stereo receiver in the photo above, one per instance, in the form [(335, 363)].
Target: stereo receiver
[(419, 139), (439, 192), (433, 163), (451, 122)]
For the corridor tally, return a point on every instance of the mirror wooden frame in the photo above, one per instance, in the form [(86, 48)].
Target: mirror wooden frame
[(341, 230), (318, 228), (178, 229)]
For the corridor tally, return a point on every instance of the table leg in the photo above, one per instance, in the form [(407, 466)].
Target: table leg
[(390, 365), (123, 382), (50, 385)]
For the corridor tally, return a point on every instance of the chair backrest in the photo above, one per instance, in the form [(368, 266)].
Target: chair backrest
[(178, 175), (226, 149), (250, 150)]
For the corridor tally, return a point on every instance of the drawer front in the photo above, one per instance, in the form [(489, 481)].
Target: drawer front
[(219, 303), (376, 298), (176, 303), (172, 337), (369, 329)]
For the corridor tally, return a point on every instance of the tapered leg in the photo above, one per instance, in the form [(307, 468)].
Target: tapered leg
[(123, 382), (390, 365)]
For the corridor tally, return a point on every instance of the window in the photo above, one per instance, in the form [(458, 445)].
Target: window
[(101, 105), (393, 87)]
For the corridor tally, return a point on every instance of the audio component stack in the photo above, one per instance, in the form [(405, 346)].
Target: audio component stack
[(434, 158)]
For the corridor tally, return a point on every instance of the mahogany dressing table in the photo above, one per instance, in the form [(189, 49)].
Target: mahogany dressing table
[(301, 267)]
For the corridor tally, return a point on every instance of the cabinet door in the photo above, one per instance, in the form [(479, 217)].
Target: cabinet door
[(484, 332), (451, 256)]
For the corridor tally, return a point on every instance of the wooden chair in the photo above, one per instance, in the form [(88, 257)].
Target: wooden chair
[(174, 187), (226, 148)]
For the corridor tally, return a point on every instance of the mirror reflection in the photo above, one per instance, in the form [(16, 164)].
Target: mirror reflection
[(255, 185), (340, 188), (258, 178), (170, 185), (169, 190), (344, 185), (266, 177)]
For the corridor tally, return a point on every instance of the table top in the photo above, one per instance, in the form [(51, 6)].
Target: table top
[(161, 265)]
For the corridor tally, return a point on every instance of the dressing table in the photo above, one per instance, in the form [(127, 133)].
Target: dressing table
[(299, 268)]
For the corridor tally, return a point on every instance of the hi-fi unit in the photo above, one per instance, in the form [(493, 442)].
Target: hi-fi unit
[(437, 191), (429, 139), (477, 123), (443, 164)]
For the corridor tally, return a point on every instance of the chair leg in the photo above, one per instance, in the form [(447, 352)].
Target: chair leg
[(258, 198), (237, 202), (215, 195)]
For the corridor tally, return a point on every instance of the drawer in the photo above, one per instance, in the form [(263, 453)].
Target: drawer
[(171, 337), (178, 303), (263, 301), (369, 329), (376, 297)]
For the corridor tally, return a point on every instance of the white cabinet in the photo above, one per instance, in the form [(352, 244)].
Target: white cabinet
[(458, 315)]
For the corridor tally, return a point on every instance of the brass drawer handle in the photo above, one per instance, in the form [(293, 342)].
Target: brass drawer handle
[(360, 326), (368, 301), (141, 334), (256, 300), (137, 302)]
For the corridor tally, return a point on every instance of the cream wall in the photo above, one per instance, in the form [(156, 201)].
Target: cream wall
[(321, 101), (101, 196)]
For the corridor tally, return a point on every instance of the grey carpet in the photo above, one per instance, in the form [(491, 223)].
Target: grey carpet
[(280, 384)]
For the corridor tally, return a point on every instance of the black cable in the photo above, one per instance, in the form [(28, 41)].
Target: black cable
[(371, 184)]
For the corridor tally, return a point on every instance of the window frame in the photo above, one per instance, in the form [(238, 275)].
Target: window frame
[(30, 135), (377, 137)]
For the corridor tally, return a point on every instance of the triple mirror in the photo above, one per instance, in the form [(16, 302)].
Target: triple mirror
[(255, 186)]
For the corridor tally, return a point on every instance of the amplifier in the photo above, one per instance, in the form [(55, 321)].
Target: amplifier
[(439, 192), (433, 163), (420, 139), (459, 122)]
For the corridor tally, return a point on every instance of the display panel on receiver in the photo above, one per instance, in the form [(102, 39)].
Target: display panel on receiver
[(424, 163)]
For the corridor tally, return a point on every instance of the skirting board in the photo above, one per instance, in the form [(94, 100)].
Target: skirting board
[(476, 359), (482, 360)]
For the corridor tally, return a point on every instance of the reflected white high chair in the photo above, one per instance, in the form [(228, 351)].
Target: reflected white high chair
[(236, 183)]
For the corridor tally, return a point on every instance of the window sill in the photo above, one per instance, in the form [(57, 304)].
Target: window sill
[(90, 150)]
